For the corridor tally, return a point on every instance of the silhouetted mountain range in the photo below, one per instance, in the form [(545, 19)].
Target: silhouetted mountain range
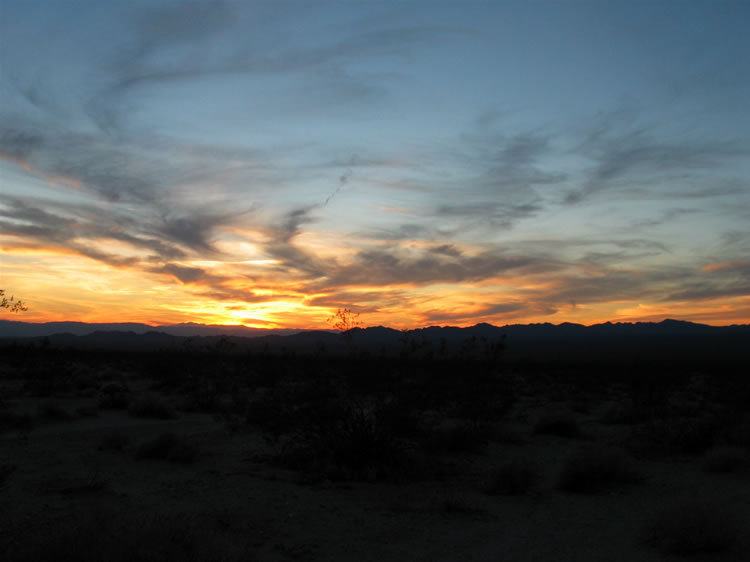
[(666, 340)]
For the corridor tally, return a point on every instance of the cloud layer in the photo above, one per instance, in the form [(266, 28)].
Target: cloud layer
[(268, 164)]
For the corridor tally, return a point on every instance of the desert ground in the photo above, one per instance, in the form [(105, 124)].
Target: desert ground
[(221, 456)]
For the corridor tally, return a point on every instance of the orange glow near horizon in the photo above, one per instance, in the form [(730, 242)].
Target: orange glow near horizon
[(71, 287)]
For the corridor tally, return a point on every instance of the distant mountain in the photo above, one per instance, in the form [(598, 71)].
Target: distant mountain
[(671, 340)]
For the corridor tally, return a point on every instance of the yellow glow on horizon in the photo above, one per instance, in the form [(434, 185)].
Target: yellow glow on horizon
[(58, 284)]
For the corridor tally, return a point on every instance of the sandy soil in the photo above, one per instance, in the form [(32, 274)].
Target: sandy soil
[(234, 493)]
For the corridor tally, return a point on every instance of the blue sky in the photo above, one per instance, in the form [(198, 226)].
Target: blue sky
[(419, 162)]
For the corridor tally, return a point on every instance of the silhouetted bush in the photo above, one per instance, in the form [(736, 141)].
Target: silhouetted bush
[(514, 478), (726, 459), (740, 435), (151, 406), (87, 411), (21, 421), (692, 527), (675, 436), (113, 441), (114, 396), (458, 438), (594, 469), (53, 412), (626, 414), (453, 504), (5, 471), (169, 447), (102, 536), (506, 435), (559, 424)]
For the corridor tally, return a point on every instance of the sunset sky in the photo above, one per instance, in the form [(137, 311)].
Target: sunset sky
[(422, 163)]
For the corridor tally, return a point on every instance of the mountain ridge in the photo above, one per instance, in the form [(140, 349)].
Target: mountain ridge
[(17, 329), (673, 340)]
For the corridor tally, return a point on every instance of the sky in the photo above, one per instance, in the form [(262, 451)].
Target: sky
[(417, 162)]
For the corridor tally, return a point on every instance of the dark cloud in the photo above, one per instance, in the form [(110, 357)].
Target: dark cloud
[(710, 289), (511, 166), (221, 292), (361, 301), (281, 244), (96, 165), (492, 214), (486, 312), (407, 231), (183, 274), (194, 231), (18, 144), (638, 158), (78, 227), (393, 266)]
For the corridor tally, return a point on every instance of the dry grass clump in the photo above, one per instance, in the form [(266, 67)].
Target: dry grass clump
[(691, 527), (458, 438), (87, 411), (561, 424), (116, 538), (514, 478), (675, 436), (726, 459), (52, 411), (20, 421), (151, 406), (113, 441), (169, 447), (114, 396), (594, 469), (5, 471), (454, 504)]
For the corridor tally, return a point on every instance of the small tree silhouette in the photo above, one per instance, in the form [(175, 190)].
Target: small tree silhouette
[(10, 303), (344, 320)]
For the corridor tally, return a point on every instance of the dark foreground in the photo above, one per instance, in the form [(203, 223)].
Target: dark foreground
[(207, 455)]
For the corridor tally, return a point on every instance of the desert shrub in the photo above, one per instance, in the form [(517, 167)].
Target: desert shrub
[(202, 398), (514, 478), (453, 504), (740, 435), (169, 447), (675, 436), (691, 527), (349, 441), (5, 471), (117, 538), (114, 396), (21, 421), (46, 387), (506, 435), (151, 406), (113, 441), (53, 412), (726, 459), (626, 414), (83, 380), (559, 424), (362, 439), (594, 469), (87, 411), (458, 438)]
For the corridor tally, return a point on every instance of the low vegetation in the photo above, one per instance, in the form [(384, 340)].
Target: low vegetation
[(168, 447), (692, 527), (514, 478), (596, 469), (345, 431), (726, 459)]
